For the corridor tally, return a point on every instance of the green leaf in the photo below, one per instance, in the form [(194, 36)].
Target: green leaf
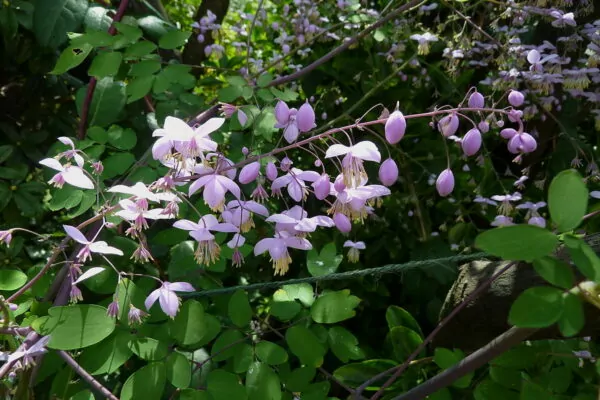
[(132, 33), (148, 348), (144, 68), (403, 341), (264, 125), (65, 198), (262, 383), (97, 134), (555, 272), (226, 345), (584, 257), (188, 326), (445, 359), (507, 377), (139, 49), (53, 19), (334, 307), (106, 63), (193, 394), (490, 390), (139, 87), (107, 356), (239, 309), (533, 391), (71, 57), (224, 385), (107, 103), (325, 263), (305, 345), (398, 316), (301, 291), (117, 164), (356, 374), (344, 344), (12, 279), (179, 370), (173, 39), (243, 358), (271, 353), (537, 307), (122, 139), (264, 79), (572, 320), (146, 383), (285, 310), (93, 38), (567, 200), (230, 93), (517, 242), (299, 379), (77, 326), (5, 152)]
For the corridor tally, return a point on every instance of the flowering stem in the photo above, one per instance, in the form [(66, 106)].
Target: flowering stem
[(86, 375), (398, 370), (346, 44)]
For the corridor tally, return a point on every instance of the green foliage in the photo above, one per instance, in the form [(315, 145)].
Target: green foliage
[(537, 307), (567, 200), (517, 242)]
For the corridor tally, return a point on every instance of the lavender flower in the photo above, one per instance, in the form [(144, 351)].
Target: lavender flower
[(168, 300), (353, 253)]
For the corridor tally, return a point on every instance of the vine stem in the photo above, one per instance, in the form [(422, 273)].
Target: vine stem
[(398, 370), (346, 44), (86, 375), (89, 94)]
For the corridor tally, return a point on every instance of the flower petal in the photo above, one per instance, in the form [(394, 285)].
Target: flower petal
[(187, 225), (209, 126), (52, 163), (88, 274), (103, 248), (179, 286), (75, 234), (151, 299), (367, 151), (169, 302), (337, 150), (264, 245), (75, 176)]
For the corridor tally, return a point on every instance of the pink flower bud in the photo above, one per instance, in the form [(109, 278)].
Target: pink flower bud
[(471, 142), (395, 126), (305, 118), (476, 100), (388, 172), (227, 109), (515, 115), (445, 182), (242, 117), (6, 236), (342, 223), (448, 125), (484, 127), (249, 173), (271, 171), (245, 151), (285, 164), (97, 167), (508, 133), (322, 187), (515, 98), (522, 143), (282, 113)]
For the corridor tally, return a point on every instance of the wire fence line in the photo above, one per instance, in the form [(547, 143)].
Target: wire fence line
[(377, 271)]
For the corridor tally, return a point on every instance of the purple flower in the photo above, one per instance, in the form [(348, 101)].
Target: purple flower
[(342, 222), (352, 163), (471, 142), (271, 171), (249, 173), (505, 206), (278, 249), (508, 133), (89, 247), (113, 309), (502, 220), (6, 236), (135, 315), (242, 117), (208, 250), (522, 143), (537, 221), (448, 125), (484, 126), (227, 110), (215, 187), (70, 174), (353, 253), (516, 98), (239, 213), (294, 180), (476, 100), (388, 172), (294, 121), (322, 186), (445, 182), (305, 118), (296, 221), (28, 355), (189, 142), (395, 127), (168, 300)]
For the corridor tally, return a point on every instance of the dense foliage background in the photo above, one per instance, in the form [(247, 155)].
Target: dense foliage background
[(108, 73)]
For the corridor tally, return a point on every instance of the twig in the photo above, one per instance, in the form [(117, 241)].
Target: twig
[(475, 360), (86, 376), (345, 45), (89, 94), (398, 370)]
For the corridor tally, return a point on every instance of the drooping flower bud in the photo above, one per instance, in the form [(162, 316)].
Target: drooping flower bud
[(516, 98), (339, 184), (271, 171), (342, 222), (445, 182), (515, 115), (471, 142), (522, 143), (285, 164), (305, 118), (476, 100), (395, 127), (508, 133), (448, 125), (242, 117), (282, 113), (249, 172), (322, 187), (484, 127), (388, 172), (245, 151)]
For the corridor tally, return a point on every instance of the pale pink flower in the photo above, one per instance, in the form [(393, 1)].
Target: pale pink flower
[(239, 213), (353, 253), (215, 187), (72, 153), (168, 300), (295, 180), (208, 250), (296, 221), (70, 174), (89, 247), (190, 142), (352, 163), (278, 249)]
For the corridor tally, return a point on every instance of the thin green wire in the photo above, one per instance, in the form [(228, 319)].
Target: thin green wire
[(386, 269)]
